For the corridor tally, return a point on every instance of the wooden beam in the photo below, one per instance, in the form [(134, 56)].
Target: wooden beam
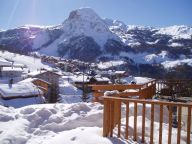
[(170, 124), (115, 87), (189, 124), (135, 122), (152, 123), (127, 121), (119, 120), (179, 125), (143, 124), (160, 124), (111, 118)]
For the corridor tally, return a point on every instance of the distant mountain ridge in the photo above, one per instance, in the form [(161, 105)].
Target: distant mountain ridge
[(86, 36)]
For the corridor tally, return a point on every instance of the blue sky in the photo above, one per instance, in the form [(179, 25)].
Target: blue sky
[(158, 13)]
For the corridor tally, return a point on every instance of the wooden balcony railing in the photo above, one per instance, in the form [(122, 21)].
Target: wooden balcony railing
[(113, 114), (145, 91), (180, 88)]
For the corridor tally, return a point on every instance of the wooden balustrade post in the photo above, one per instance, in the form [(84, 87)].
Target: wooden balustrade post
[(119, 118), (135, 122), (143, 124), (160, 124), (106, 120), (189, 124), (111, 118), (179, 125), (127, 121), (152, 123), (170, 124)]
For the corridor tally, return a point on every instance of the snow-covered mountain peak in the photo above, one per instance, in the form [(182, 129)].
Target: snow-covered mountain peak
[(83, 13), (86, 22), (115, 25)]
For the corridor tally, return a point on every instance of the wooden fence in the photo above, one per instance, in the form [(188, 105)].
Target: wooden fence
[(112, 118), (180, 88), (146, 90)]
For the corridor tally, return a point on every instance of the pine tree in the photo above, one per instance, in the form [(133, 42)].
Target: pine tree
[(85, 96), (53, 96)]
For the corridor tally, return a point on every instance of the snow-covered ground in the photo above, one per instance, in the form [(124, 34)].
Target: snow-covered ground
[(171, 64), (79, 123), (69, 93)]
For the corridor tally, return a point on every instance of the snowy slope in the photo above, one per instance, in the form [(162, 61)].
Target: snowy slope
[(171, 64), (32, 63), (177, 32)]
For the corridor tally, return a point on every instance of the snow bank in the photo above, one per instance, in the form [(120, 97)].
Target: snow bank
[(33, 124), (81, 135), (79, 123)]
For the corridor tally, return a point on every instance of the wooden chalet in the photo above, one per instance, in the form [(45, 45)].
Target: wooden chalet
[(4, 63), (48, 76), (91, 80), (42, 84), (8, 69)]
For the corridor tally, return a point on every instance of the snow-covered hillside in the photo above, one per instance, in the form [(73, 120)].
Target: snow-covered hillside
[(177, 32), (32, 63)]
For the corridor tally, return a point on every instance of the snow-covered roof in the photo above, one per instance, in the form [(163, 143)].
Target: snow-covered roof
[(20, 89), (33, 79), (13, 69), (81, 78), (86, 78), (4, 62), (21, 102), (35, 73), (101, 78), (18, 65), (120, 72)]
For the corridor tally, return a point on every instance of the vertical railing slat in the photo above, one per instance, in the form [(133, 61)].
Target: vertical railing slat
[(152, 123), (170, 124), (135, 122), (179, 125), (105, 119), (189, 125), (119, 119), (143, 124), (127, 121), (160, 124), (111, 118)]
